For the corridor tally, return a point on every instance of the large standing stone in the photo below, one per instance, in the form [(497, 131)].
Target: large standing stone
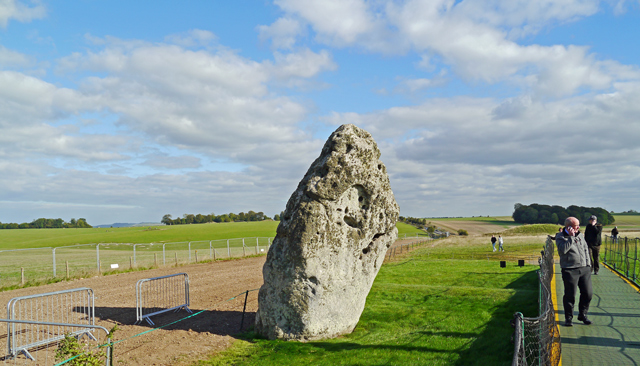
[(330, 243)]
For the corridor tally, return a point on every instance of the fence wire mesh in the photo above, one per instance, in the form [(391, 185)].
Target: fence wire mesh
[(621, 254), (537, 340)]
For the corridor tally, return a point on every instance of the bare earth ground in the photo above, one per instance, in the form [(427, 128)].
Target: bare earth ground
[(472, 227), (182, 343)]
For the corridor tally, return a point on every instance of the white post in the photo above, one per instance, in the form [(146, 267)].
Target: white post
[(98, 256), (54, 261)]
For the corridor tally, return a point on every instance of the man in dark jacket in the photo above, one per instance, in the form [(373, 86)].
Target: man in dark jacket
[(576, 270), (593, 236)]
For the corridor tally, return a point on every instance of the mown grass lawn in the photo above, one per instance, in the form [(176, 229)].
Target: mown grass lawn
[(420, 311), (39, 238)]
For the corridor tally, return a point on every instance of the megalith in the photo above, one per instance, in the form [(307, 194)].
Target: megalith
[(330, 243)]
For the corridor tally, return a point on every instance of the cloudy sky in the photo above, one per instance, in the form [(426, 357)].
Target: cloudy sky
[(123, 111)]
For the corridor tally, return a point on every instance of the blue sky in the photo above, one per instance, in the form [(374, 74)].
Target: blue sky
[(121, 111)]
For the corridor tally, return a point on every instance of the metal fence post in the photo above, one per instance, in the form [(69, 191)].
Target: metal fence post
[(210, 249), (635, 259), (189, 252), (626, 256), (228, 250), (98, 256), (257, 246), (134, 254), (164, 260), (53, 253)]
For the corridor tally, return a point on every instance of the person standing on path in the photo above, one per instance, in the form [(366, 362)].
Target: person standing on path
[(500, 242), (493, 242), (576, 270), (593, 236)]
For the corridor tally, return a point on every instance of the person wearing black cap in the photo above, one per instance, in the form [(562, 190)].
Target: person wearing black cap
[(593, 236)]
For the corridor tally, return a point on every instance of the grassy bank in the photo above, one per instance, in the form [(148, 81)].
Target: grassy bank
[(39, 238), (420, 311)]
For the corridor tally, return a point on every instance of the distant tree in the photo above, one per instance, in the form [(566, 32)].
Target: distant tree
[(276, 217), (166, 219)]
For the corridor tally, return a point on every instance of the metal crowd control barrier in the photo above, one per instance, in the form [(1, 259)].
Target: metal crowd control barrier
[(50, 325), (161, 294), (24, 331)]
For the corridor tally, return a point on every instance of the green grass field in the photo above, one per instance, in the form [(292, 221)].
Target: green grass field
[(39, 238), (420, 311)]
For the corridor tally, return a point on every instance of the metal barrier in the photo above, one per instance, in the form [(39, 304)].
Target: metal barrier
[(161, 294), (537, 340), (621, 254), (51, 327), (75, 307)]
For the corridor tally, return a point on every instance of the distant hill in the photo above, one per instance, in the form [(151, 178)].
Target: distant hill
[(122, 224)]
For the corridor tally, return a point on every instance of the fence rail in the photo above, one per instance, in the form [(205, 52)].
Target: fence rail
[(75, 306), (37, 264), (621, 254), (160, 295), (537, 340)]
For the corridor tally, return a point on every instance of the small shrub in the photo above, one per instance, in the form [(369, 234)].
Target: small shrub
[(463, 232), (70, 347)]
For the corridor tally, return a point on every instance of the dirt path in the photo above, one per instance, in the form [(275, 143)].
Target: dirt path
[(181, 343)]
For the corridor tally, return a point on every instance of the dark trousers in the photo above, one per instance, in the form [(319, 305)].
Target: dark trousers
[(574, 278), (594, 252)]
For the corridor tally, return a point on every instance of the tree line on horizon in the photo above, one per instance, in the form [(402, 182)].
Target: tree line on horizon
[(43, 223), (203, 219), (546, 214)]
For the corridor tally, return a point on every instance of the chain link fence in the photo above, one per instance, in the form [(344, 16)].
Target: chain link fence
[(621, 254), (537, 340)]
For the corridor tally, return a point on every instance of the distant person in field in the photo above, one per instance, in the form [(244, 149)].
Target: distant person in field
[(493, 242), (615, 233), (593, 236), (576, 270), (500, 242)]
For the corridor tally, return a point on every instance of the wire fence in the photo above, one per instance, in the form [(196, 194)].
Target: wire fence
[(621, 254), (537, 340), (21, 266)]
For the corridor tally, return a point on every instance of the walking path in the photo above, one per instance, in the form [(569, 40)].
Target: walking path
[(614, 336)]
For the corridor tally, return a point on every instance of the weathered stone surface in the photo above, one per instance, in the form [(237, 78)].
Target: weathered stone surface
[(330, 243)]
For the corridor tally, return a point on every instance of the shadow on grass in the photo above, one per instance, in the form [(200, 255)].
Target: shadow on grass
[(493, 346)]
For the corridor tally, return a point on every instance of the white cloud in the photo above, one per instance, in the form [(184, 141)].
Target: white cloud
[(13, 9), (488, 154), (192, 38), (475, 38), (303, 64), (282, 33), (9, 58)]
